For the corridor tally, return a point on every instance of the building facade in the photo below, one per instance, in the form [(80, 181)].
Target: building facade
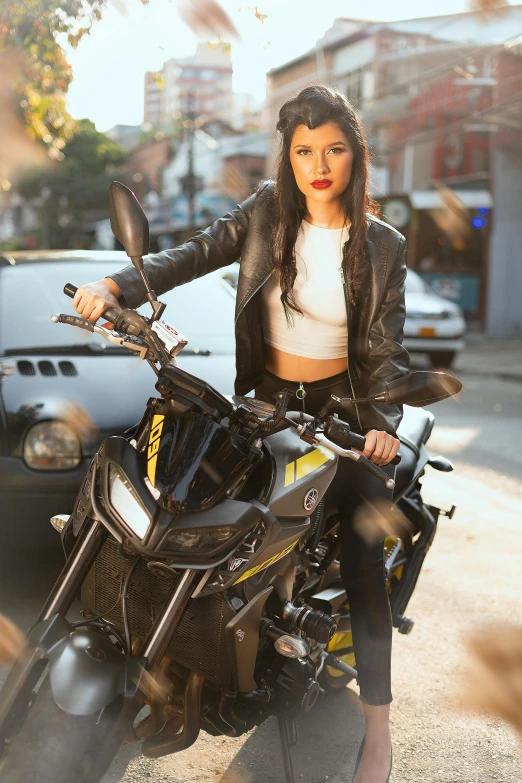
[(226, 168), (437, 98), (201, 85)]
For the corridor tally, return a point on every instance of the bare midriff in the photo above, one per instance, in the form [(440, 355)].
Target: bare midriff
[(300, 368)]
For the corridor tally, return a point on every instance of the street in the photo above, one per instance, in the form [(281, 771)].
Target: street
[(470, 581)]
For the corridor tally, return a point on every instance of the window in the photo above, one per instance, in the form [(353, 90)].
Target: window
[(354, 86), (38, 289)]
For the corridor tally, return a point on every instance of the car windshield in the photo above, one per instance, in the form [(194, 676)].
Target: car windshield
[(202, 310), (416, 285)]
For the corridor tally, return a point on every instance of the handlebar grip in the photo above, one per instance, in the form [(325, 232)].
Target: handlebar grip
[(339, 432), (359, 442), (111, 313)]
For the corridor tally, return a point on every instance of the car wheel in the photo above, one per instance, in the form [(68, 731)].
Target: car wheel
[(441, 358)]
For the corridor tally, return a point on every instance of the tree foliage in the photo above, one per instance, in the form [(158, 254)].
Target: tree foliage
[(75, 190), (33, 30)]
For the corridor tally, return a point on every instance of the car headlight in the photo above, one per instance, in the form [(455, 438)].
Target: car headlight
[(52, 445), (200, 539), (125, 502)]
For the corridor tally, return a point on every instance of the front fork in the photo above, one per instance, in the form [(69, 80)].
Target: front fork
[(17, 693)]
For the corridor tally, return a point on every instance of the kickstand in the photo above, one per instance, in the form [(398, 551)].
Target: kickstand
[(288, 735)]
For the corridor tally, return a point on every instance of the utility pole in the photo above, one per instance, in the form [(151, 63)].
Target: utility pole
[(45, 195), (191, 184)]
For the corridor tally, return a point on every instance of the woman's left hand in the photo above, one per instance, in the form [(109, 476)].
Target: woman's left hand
[(381, 447)]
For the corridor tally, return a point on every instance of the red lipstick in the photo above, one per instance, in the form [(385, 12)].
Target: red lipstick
[(321, 184)]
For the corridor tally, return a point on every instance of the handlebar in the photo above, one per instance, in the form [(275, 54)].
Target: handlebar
[(340, 433), (111, 313), (370, 466)]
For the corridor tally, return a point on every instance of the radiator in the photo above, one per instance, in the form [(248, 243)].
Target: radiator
[(199, 642)]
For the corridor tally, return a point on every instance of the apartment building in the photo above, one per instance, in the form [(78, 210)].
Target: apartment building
[(438, 100), (201, 84)]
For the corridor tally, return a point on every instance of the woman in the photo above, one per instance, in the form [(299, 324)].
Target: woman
[(319, 310)]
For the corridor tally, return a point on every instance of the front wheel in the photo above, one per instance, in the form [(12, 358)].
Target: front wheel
[(441, 358), (54, 747)]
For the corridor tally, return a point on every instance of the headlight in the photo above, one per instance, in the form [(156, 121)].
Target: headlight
[(124, 501), (52, 445), (200, 539)]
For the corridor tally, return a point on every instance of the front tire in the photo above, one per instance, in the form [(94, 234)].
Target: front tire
[(54, 747), (441, 358)]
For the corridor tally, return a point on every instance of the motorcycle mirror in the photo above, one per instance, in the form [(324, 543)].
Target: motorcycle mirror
[(423, 387), (128, 222), (130, 226)]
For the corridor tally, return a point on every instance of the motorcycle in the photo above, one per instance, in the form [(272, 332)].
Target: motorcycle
[(204, 553)]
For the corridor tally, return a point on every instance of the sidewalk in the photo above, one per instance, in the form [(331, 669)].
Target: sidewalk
[(486, 356)]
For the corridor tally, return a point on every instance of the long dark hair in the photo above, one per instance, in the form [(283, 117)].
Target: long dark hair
[(315, 106)]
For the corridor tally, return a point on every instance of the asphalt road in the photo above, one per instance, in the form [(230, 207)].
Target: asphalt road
[(470, 582)]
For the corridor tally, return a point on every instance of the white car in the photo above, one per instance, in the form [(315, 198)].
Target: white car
[(434, 325)]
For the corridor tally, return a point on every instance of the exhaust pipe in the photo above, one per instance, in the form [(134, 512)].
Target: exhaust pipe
[(167, 742)]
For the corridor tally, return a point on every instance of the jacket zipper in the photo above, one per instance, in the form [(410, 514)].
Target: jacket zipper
[(347, 336), (252, 294)]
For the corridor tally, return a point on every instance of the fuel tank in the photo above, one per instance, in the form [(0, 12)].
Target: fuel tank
[(303, 474)]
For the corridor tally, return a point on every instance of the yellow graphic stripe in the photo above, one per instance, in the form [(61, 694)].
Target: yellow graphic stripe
[(290, 474), (306, 464), (264, 565), (152, 451)]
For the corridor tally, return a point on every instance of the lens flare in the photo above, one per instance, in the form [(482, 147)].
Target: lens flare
[(206, 18), (12, 642), (496, 663), (376, 520)]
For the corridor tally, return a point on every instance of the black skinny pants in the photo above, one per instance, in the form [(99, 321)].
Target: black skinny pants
[(362, 564)]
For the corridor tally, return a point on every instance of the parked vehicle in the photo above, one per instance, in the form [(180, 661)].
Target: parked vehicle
[(50, 376), (434, 325), (206, 559)]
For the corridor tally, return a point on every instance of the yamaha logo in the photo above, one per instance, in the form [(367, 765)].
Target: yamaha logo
[(310, 499)]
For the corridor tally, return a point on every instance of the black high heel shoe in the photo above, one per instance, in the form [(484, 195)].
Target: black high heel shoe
[(358, 761)]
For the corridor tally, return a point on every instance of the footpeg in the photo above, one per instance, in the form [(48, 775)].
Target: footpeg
[(403, 624), (449, 513), (335, 663)]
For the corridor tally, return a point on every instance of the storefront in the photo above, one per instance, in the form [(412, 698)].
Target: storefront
[(448, 238)]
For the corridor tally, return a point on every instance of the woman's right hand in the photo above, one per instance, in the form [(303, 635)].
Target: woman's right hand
[(92, 299)]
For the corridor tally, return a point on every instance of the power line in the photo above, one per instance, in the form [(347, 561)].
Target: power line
[(424, 136)]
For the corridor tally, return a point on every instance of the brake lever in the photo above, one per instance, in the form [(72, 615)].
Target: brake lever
[(320, 440), (111, 336), (115, 338)]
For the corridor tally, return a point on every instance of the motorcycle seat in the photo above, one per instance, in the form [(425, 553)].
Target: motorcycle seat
[(414, 430), (415, 427)]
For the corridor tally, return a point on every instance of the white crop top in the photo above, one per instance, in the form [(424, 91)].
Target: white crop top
[(320, 333)]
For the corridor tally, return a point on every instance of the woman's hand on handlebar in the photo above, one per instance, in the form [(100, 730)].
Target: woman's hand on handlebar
[(92, 299), (381, 447)]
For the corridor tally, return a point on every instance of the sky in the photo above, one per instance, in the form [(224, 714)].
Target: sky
[(109, 64)]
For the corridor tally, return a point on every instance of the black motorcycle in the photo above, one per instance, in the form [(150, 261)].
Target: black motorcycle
[(205, 556)]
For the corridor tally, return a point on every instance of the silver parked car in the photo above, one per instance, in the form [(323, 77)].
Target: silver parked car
[(434, 325), (53, 378)]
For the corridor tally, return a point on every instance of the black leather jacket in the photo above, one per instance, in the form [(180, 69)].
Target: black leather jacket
[(375, 326)]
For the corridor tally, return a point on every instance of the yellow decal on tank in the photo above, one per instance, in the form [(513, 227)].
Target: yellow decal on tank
[(306, 464), (152, 451), (289, 474), (264, 565)]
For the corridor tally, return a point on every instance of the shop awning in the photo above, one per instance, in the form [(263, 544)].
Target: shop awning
[(432, 199)]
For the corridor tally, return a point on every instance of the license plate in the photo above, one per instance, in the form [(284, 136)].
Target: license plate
[(427, 331)]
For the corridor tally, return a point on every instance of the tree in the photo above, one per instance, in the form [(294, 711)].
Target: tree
[(30, 31), (75, 189)]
